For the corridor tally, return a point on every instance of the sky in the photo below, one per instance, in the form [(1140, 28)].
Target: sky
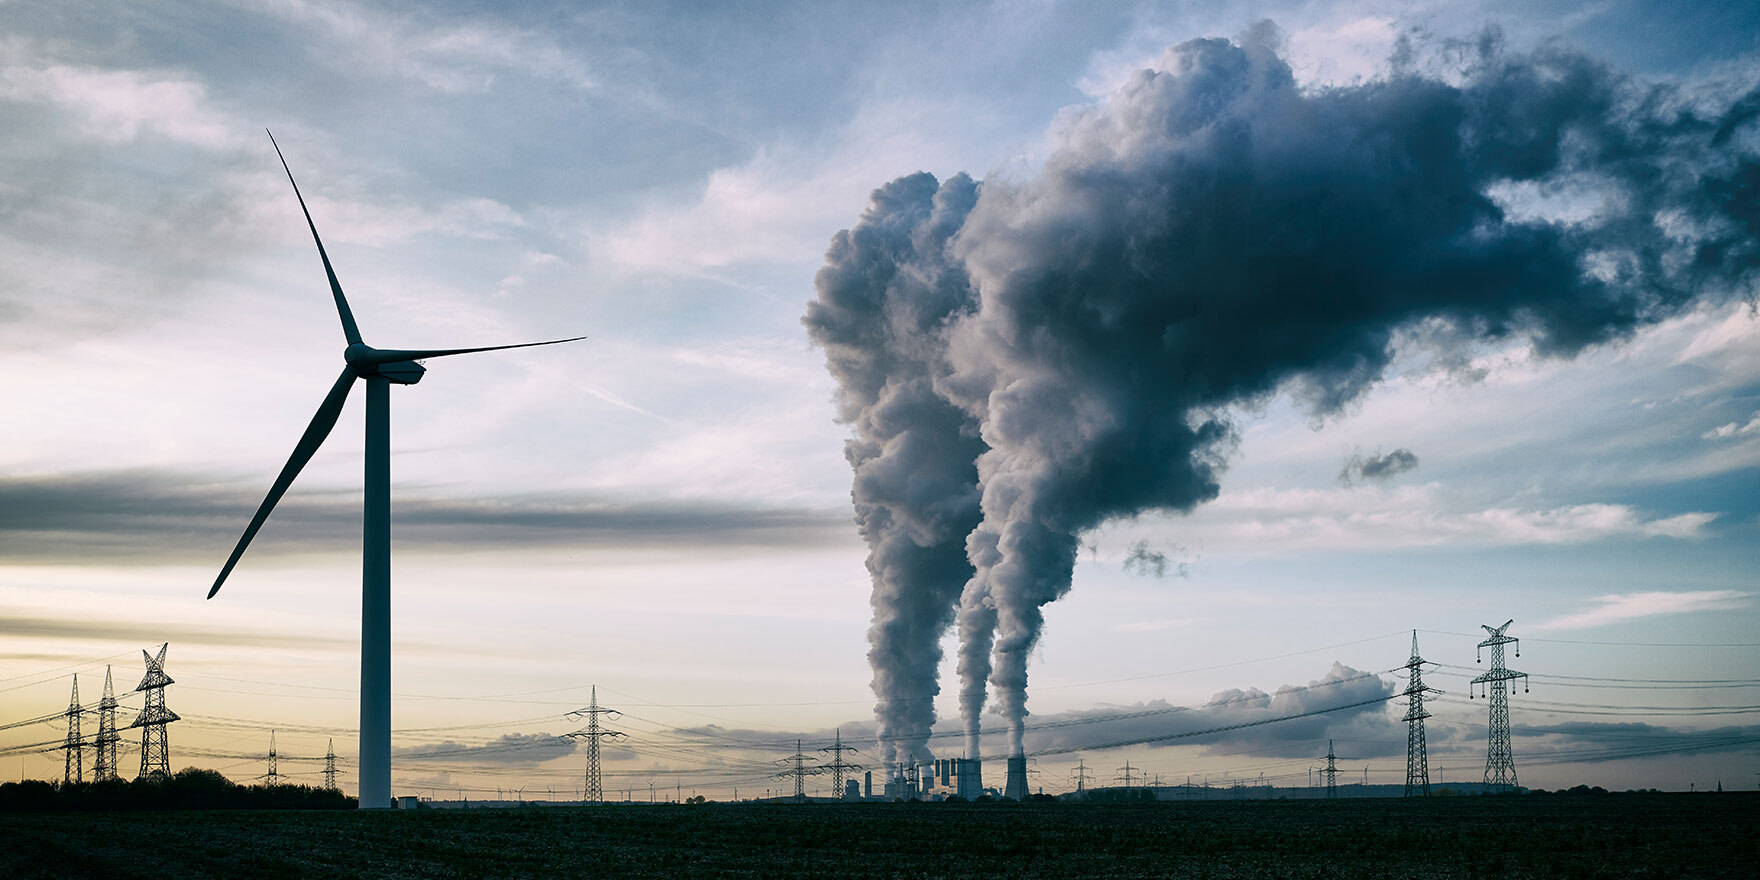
[(663, 509)]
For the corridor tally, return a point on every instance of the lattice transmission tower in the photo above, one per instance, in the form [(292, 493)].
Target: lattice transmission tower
[(330, 766), (75, 747), (104, 768), (273, 777), (1500, 762), (594, 793), (1129, 776), (1417, 760), (799, 768), (155, 751), (838, 764), (1082, 777), (1330, 771)]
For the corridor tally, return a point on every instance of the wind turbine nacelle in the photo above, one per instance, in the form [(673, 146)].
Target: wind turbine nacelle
[(401, 372)]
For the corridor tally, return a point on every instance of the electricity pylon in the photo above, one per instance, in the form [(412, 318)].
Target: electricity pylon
[(1500, 762), (1127, 776), (273, 777), (838, 765), (104, 768), (1330, 771), (799, 770), (594, 794), (1417, 760), (75, 747), (1082, 777), (330, 765), (155, 751)]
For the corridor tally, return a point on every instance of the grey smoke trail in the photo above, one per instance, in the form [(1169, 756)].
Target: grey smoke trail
[(1214, 235), (1376, 467), (885, 294)]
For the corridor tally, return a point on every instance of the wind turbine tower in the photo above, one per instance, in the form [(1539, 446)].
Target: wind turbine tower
[(379, 368), (155, 750)]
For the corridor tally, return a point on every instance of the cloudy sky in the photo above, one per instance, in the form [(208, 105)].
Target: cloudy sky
[(664, 508)]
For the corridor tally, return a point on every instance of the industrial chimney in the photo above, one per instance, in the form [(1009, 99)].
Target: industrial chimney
[(1016, 787)]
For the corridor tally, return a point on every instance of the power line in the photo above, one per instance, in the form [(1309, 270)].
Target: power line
[(1442, 632)]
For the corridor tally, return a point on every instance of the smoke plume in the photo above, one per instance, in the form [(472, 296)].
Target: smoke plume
[(886, 293), (1376, 467), (1213, 235)]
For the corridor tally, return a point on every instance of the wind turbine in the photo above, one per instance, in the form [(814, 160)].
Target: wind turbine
[(380, 368)]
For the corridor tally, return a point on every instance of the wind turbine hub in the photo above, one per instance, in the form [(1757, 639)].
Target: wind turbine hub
[(397, 366), (357, 353)]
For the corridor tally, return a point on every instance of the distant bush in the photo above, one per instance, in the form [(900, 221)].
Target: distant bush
[(193, 788), (1120, 795)]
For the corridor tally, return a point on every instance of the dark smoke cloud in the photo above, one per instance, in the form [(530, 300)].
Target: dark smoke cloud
[(1214, 235), (1377, 467), (886, 294), (1146, 561)]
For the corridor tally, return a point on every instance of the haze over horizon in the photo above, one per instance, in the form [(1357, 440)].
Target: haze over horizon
[(664, 510)]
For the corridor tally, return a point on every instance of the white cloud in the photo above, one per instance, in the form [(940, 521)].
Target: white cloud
[(782, 205), (1269, 519), (1735, 429), (448, 57), (1629, 606), (121, 105), (1153, 625)]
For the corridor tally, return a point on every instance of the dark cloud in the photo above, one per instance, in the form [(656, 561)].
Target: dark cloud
[(1596, 741), (1370, 726), (1376, 467), (1214, 234), (159, 517), (516, 749)]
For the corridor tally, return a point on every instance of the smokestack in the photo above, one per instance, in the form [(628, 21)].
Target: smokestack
[(868, 783), (1016, 788), (969, 778)]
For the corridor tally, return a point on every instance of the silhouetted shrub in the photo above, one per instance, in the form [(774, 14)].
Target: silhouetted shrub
[(192, 788)]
